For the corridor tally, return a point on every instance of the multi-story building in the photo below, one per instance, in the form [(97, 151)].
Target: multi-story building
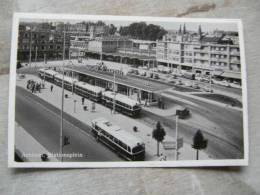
[(78, 45), (216, 54), (139, 48), (98, 30), (36, 44), (108, 44)]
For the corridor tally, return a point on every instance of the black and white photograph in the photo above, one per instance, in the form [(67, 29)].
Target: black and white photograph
[(126, 91)]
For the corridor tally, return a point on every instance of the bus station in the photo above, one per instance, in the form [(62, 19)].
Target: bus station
[(144, 90)]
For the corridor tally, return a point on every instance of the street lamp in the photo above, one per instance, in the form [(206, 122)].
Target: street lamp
[(114, 89), (176, 138), (30, 54), (75, 101), (62, 100)]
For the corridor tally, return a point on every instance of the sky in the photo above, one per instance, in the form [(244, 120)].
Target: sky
[(193, 26)]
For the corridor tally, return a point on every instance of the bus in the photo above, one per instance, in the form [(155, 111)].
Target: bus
[(91, 92), (122, 142), (123, 103), (47, 74), (68, 81)]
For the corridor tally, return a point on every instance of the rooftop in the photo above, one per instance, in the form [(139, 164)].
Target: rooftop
[(130, 81)]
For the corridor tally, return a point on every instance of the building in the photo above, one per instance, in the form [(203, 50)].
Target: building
[(98, 30), (78, 46), (37, 44), (203, 54)]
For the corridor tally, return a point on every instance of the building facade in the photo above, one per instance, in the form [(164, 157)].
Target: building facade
[(39, 45), (215, 54)]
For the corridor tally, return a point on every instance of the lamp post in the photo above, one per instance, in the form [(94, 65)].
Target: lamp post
[(62, 100), (114, 90), (176, 138), (30, 54)]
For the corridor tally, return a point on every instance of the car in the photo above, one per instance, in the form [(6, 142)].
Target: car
[(188, 84), (170, 80), (183, 113), (179, 82), (207, 89), (21, 76), (156, 76), (195, 86)]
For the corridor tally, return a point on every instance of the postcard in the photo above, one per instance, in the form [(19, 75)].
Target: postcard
[(122, 91)]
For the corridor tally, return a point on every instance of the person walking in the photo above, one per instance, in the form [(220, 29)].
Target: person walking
[(39, 85), (33, 88), (82, 100), (51, 88)]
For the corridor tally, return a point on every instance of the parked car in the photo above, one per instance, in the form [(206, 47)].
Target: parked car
[(188, 84), (195, 86), (179, 82), (156, 76), (207, 89)]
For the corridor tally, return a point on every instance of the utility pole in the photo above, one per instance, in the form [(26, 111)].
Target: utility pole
[(35, 54), (210, 80), (62, 100), (30, 54), (114, 90), (176, 138)]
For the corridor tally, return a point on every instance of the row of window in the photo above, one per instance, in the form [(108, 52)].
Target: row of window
[(87, 91), (113, 139), (118, 102)]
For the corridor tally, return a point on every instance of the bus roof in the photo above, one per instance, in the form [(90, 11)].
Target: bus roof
[(122, 98), (66, 78), (49, 71), (93, 88), (117, 132)]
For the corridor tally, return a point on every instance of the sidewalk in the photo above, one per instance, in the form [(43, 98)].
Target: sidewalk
[(23, 144), (126, 123)]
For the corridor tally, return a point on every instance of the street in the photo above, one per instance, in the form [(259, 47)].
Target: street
[(42, 121)]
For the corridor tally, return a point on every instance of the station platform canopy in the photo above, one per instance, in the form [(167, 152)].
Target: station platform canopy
[(136, 82)]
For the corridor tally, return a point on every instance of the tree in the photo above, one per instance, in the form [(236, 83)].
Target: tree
[(199, 142), (18, 65), (140, 30), (158, 135), (112, 29)]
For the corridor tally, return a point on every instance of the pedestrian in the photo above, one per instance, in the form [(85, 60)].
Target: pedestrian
[(51, 88), (82, 100), (39, 85), (33, 88)]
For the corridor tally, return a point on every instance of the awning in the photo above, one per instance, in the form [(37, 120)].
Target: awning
[(232, 75)]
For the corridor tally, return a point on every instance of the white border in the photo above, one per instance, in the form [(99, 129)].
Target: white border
[(180, 163)]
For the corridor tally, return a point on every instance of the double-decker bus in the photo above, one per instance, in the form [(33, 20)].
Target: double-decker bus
[(86, 90), (47, 74), (122, 102), (122, 142)]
